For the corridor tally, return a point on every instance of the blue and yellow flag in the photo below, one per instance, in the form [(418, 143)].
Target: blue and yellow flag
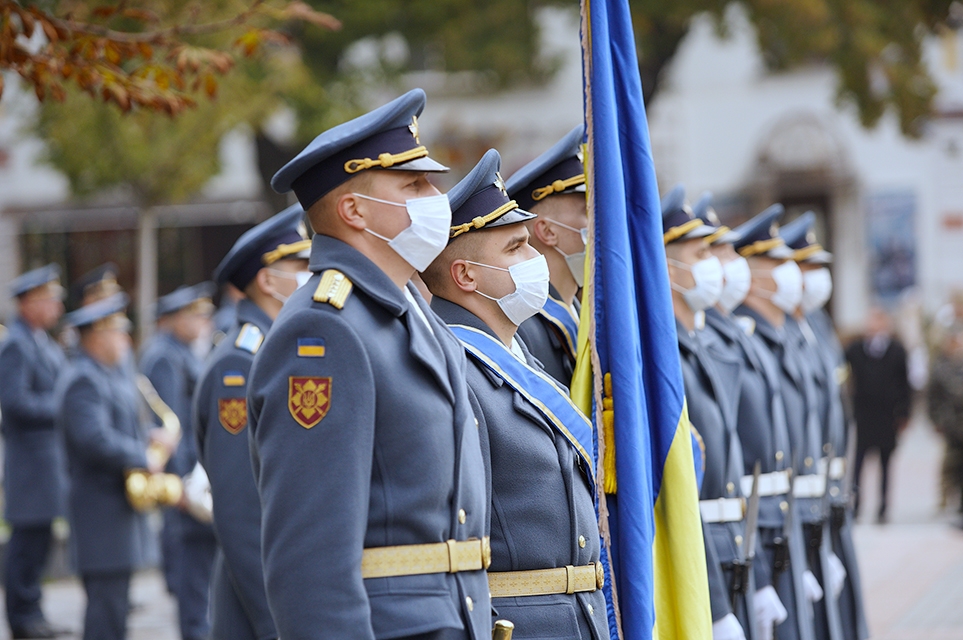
[(628, 362)]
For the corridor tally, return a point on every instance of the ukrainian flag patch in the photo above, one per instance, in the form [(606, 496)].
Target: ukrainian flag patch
[(310, 347), (233, 379)]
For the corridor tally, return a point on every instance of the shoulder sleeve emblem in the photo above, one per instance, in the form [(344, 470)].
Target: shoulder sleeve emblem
[(334, 288), (249, 339), (232, 414), (233, 379), (310, 347), (309, 399)]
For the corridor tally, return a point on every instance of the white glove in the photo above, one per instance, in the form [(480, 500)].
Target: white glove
[(814, 593), (728, 628), (767, 611), (837, 575), (197, 495)]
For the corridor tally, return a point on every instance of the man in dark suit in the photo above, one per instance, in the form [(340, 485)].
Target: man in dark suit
[(172, 367), (486, 283), (267, 263), (97, 411), (881, 397), (366, 453), (34, 481)]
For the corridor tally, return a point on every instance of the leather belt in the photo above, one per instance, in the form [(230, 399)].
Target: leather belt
[(722, 510), (418, 559), (837, 468), (775, 483), (809, 486), (546, 582)]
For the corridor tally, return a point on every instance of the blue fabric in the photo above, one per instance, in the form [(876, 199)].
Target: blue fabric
[(560, 314)]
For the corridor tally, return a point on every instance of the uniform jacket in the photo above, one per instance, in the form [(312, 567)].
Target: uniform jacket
[(541, 500), (393, 460), (98, 415), (34, 478), (881, 393), (543, 340), (220, 418)]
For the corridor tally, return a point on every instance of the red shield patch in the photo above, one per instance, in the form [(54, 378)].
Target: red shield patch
[(308, 399), (232, 412)]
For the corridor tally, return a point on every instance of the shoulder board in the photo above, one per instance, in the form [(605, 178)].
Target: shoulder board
[(747, 324), (249, 339), (334, 288)]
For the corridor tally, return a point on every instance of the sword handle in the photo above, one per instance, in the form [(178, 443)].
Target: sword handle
[(503, 630)]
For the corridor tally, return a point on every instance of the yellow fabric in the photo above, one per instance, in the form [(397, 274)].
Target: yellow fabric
[(681, 581)]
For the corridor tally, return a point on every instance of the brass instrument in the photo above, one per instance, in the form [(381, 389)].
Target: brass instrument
[(503, 630), (145, 490)]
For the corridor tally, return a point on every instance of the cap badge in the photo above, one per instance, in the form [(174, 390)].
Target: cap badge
[(500, 183), (413, 128)]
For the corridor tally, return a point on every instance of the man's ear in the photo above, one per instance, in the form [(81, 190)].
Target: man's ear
[(545, 232), (347, 208), (461, 275), (262, 280)]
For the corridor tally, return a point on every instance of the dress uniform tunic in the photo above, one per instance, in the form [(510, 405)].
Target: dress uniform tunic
[(98, 414), (189, 545), (34, 480), (543, 511), (551, 344), (363, 437), (240, 608)]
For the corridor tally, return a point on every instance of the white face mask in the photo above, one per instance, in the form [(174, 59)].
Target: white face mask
[(738, 280), (708, 277), (301, 277), (531, 289), (817, 288), (426, 236), (789, 286), (575, 261)]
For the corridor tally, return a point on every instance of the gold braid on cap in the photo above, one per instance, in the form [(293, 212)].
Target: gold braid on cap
[(677, 232), (385, 160), (558, 187), (480, 221), (721, 231), (760, 246), (285, 250), (806, 252)]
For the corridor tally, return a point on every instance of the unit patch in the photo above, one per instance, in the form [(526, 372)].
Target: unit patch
[(233, 379), (232, 413), (310, 347), (309, 399)]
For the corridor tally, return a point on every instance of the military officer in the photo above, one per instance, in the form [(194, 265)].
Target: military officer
[(829, 362), (485, 284), (34, 481), (267, 263), (552, 186), (171, 366), (98, 415), (774, 292), (97, 284), (374, 513), (711, 388)]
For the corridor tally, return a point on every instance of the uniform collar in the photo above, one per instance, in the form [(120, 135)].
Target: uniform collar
[(331, 253), (248, 312)]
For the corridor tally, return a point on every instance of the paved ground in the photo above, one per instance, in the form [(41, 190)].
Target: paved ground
[(912, 568)]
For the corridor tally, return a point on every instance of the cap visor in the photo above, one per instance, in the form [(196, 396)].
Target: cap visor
[(699, 232), (782, 252), (513, 216), (820, 257), (421, 164), (730, 237)]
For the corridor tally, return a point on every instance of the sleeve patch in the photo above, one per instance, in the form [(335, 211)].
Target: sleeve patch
[(309, 399), (232, 414), (310, 347), (233, 379)]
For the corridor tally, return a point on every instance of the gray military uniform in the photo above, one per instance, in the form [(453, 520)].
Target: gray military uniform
[(543, 513), (393, 459), (239, 607)]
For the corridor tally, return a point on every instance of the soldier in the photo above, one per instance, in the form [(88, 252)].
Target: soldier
[(552, 186), (97, 284), (712, 393), (829, 362), (775, 292), (485, 284), (761, 424), (365, 451), (169, 363), (98, 414), (267, 263), (34, 481)]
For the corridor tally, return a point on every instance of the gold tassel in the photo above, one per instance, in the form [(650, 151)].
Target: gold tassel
[(608, 427)]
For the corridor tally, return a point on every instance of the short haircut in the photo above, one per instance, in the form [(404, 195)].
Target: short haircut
[(437, 277), (322, 212)]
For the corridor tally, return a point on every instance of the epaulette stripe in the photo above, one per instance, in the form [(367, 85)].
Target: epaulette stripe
[(334, 288), (249, 339)]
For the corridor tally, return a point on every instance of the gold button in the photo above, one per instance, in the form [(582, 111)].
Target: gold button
[(462, 516), (738, 540), (730, 487), (826, 447), (469, 603), (784, 506), (779, 456), (809, 461), (591, 610), (581, 541), (834, 491), (476, 422)]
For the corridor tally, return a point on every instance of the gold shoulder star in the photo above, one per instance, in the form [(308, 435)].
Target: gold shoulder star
[(413, 128)]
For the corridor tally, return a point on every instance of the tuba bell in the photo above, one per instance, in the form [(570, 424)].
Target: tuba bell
[(145, 490)]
